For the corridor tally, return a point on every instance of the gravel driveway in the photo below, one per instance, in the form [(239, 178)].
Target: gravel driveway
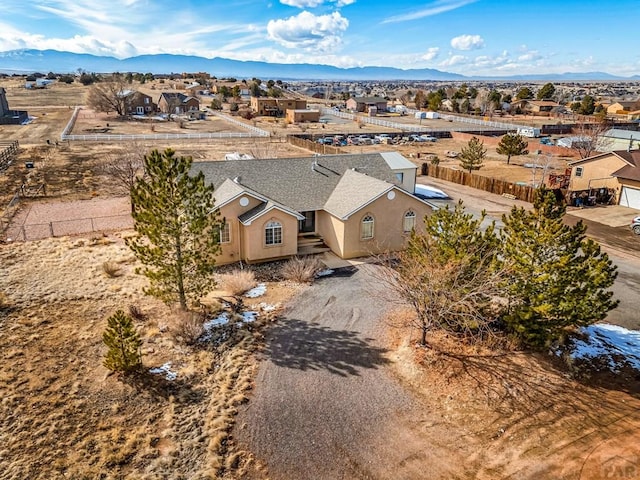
[(325, 404)]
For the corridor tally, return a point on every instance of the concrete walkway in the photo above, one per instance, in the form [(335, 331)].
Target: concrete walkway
[(611, 215)]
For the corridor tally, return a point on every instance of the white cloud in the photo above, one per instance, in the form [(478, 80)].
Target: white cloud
[(431, 54), (321, 33), (453, 60), (314, 3), (467, 42), (440, 6)]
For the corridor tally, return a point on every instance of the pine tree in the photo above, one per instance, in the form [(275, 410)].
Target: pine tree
[(123, 342), (558, 278), (472, 155), (512, 144), (547, 91), (176, 224)]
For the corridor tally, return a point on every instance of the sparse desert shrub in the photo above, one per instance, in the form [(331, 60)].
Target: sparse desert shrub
[(123, 342), (187, 327), (111, 269), (5, 302), (238, 281), (301, 270), (435, 160), (136, 313)]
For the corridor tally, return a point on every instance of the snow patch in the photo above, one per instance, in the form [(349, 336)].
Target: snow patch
[(258, 291), (324, 273), (165, 370), (616, 344), (266, 307), (248, 317)]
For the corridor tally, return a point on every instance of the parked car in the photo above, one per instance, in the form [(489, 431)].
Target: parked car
[(635, 225), (428, 138)]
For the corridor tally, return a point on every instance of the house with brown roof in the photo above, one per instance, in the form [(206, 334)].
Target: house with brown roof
[(617, 172), (364, 104), (178, 103), (622, 107), (535, 106), (352, 205), (138, 103)]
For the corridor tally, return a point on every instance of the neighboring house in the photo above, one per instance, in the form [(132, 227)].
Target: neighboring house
[(363, 104), (276, 107), (275, 208), (8, 116), (179, 103), (622, 107), (139, 103), (618, 172), (300, 116), (534, 106)]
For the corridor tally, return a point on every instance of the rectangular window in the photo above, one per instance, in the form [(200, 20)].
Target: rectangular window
[(273, 233), (578, 171), (223, 233), (400, 177)]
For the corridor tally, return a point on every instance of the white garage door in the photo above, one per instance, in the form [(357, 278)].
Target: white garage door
[(630, 197)]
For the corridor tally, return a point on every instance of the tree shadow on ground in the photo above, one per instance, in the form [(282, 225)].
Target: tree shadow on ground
[(158, 387), (305, 345)]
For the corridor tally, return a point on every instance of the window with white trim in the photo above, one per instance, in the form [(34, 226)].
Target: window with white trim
[(366, 232), (223, 233), (409, 221), (579, 171), (273, 233)]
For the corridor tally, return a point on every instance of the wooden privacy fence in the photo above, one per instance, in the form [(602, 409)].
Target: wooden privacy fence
[(313, 146), (492, 185)]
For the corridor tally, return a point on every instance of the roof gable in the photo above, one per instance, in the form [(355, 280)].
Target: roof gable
[(353, 191)]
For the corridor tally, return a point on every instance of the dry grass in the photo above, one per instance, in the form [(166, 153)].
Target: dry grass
[(301, 269), (238, 282), (187, 327), (66, 416), (111, 269)]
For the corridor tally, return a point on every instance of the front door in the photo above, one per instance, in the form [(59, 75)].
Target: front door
[(307, 225)]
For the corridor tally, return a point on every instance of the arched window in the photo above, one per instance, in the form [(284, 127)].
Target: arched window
[(223, 233), (273, 233), (409, 221), (367, 227)]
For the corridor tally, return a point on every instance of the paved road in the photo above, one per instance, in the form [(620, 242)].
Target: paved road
[(324, 394), (622, 245)]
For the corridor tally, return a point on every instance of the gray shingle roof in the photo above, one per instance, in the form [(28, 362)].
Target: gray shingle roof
[(352, 192), (301, 184)]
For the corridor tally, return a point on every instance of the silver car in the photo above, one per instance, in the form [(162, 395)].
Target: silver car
[(635, 225)]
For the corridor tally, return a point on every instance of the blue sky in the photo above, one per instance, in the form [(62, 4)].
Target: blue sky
[(470, 37)]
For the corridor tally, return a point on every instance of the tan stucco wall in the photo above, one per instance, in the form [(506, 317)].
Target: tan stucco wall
[(254, 248), (595, 173), (331, 229), (388, 222), (231, 252)]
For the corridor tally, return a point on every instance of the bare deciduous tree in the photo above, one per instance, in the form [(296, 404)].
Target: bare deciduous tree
[(590, 138), (125, 166), (109, 96)]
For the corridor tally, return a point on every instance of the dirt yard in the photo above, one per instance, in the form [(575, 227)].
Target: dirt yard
[(64, 416)]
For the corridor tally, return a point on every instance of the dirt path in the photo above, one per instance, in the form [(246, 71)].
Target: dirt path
[(325, 405)]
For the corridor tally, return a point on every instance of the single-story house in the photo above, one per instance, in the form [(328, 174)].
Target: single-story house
[(276, 107), (622, 107), (300, 116), (363, 104), (179, 103), (353, 205), (138, 103), (534, 106), (617, 171)]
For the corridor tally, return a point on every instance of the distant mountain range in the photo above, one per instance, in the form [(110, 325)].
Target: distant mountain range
[(29, 61)]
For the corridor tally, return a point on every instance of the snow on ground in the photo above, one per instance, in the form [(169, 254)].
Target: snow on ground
[(428, 191), (616, 344), (324, 273), (266, 307), (258, 291), (165, 370)]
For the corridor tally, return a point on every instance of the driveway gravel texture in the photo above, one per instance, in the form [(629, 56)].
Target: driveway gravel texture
[(325, 404)]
